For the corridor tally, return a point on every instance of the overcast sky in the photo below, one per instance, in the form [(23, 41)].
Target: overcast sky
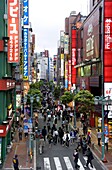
[(48, 18)]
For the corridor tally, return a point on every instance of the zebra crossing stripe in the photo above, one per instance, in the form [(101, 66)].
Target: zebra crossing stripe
[(68, 163), (47, 165), (80, 164), (57, 163), (85, 158)]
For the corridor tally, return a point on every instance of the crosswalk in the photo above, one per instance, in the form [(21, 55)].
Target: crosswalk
[(68, 163)]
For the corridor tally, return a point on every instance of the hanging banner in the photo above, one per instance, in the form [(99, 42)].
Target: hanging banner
[(25, 38), (13, 31)]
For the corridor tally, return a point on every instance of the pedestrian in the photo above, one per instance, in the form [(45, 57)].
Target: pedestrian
[(55, 136), (72, 136), (50, 138), (106, 142), (67, 139), (84, 145), (90, 157), (20, 131), (15, 162), (44, 133), (61, 134), (99, 135), (75, 158), (48, 125), (84, 129)]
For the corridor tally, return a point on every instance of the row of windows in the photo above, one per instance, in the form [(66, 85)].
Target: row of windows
[(89, 70)]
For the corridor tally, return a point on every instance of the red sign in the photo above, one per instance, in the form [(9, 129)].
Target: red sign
[(13, 31), (69, 74), (108, 41), (7, 84)]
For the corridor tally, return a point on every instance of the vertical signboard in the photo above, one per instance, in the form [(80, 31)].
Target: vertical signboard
[(73, 45), (66, 74), (25, 37), (13, 31), (108, 41), (66, 44), (62, 65), (69, 74)]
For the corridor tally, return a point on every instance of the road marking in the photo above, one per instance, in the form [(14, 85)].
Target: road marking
[(85, 158), (68, 163), (80, 164), (47, 165), (57, 163)]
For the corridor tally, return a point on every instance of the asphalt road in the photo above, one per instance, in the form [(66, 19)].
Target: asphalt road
[(60, 158)]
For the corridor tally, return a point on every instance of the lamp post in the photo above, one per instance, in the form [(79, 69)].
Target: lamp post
[(75, 91), (103, 101), (32, 97)]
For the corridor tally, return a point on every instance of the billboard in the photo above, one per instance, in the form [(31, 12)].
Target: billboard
[(66, 74), (62, 65), (66, 44), (13, 31), (25, 37), (91, 36), (108, 41), (69, 74), (73, 45)]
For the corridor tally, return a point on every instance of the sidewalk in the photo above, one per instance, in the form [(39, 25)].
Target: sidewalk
[(98, 150), (21, 149)]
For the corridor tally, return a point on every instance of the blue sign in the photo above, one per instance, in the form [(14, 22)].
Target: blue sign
[(25, 33), (26, 11)]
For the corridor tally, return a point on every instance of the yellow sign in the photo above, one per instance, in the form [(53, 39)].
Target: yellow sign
[(25, 77)]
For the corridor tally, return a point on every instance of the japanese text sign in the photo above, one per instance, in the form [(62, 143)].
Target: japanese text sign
[(25, 33), (26, 11), (13, 31)]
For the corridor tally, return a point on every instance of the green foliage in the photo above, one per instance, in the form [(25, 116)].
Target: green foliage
[(67, 97), (35, 91), (85, 101), (56, 92)]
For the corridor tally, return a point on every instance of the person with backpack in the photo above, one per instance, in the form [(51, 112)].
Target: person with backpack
[(75, 158), (90, 157), (84, 145), (16, 163)]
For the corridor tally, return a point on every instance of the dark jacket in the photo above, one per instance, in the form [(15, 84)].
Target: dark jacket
[(89, 155)]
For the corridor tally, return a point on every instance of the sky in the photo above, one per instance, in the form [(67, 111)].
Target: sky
[(48, 18)]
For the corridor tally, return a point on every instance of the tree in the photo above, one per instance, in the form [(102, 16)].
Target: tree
[(56, 92), (34, 91), (67, 97), (84, 101)]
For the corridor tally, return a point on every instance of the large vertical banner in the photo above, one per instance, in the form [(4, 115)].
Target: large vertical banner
[(73, 46), (69, 74), (25, 38), (108, 41), (66, 75), (13, 31)]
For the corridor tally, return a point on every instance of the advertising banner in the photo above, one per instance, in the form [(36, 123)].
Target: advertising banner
[(66, 44), (69, 74), (91, 36), (25, 37), (108, 41), (66, 74), (62, 65), (25, 51), (13, 31), (26, 11), (62, 39)]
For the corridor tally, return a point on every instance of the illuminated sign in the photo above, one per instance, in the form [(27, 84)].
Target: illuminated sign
[(13, 31), (66, 74), (62, 65), (66, 44), (25, 51), (108, 41), (108, 36), (26, 11), (25, 38)]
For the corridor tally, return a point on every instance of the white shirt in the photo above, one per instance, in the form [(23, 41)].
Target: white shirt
[(106, 139)]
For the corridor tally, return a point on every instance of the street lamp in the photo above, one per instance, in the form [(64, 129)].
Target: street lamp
[(32, 97), (103, 101), (75, 91)]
